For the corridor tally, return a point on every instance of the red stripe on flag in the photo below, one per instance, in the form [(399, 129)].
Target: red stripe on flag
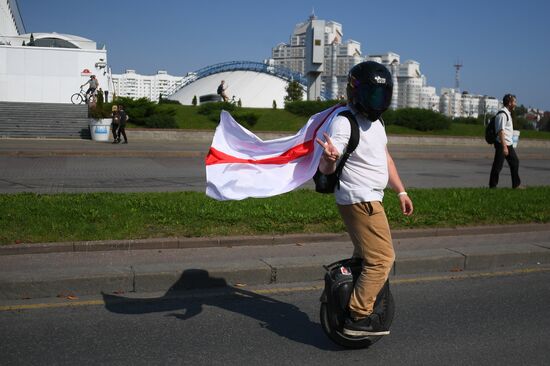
[(217, 157)]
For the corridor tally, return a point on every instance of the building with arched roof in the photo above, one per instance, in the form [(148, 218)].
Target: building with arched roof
[(255, 84), (45, 67)]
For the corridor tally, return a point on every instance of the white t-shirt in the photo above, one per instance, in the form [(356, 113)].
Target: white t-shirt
[(365, 174), (503, 121)]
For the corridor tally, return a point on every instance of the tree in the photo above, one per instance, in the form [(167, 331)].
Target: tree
[(520, 110), (294, 91), (194, 101), (545, 122)]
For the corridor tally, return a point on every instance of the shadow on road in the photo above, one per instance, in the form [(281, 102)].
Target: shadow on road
[(284, 319)]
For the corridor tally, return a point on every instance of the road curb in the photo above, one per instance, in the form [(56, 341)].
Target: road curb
[(233, 241), (264, 271)]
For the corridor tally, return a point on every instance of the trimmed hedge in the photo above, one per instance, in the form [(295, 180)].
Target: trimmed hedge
[(417, 119), (143, 112)]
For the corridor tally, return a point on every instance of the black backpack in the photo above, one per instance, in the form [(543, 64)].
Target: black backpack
[(327, 183), (490, 133)]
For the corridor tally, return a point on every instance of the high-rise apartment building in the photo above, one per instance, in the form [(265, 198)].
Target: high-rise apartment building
[(133, 85), (429, 98), (450, 103), (339, 55), (470, 105), (410, 89), (489, 105)]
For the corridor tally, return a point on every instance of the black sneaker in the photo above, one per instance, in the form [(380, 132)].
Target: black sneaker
[(369, 326)]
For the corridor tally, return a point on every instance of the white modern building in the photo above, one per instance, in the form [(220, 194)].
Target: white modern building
[(339, 55), (45, 67), (133, 85), (429, 98), (470, 105), (11, 23), (450, 103), (455, 104), (489, 105), (410, 82)]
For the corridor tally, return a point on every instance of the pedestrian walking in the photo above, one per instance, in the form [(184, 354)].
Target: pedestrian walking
[(123, 118), (504, 149), (115, 123)]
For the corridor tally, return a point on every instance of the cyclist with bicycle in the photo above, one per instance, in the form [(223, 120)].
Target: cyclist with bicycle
[(93, 85)]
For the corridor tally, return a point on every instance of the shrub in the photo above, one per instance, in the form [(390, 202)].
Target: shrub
[(421, 119), (143, 112), (160, 120), (168, 101), (521, 123), (214, 108), (249, 118), (468, 120)]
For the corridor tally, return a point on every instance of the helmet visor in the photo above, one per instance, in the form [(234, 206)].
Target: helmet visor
[(375, 97)]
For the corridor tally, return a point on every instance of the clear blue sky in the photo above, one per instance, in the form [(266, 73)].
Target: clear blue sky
[(504, 45)]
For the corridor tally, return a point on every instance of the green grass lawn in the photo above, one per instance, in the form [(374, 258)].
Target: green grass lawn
[(284, 121), (36, 218)]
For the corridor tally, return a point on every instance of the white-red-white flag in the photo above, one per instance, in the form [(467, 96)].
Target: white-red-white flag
[(241, 165)]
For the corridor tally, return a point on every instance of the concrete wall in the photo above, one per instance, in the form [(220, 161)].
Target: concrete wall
[(40, 74)]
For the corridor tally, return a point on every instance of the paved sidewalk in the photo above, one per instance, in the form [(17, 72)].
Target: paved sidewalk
[(256, 260)]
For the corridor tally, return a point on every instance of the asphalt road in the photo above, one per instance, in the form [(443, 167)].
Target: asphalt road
[(173, 170), (486, 320)]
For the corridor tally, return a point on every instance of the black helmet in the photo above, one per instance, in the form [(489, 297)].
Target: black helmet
[(370, 88)]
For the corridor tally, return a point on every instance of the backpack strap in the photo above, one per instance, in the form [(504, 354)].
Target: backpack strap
[(352, 143), (499, 112)]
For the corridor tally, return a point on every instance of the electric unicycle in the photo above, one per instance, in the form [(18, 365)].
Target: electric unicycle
[(339, 281)]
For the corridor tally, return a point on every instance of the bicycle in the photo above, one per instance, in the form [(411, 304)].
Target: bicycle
[(81, 97)]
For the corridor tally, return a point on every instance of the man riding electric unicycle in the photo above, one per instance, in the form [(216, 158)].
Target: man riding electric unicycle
[(357, 306)]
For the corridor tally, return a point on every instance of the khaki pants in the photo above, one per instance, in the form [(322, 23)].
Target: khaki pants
[(369, 230)]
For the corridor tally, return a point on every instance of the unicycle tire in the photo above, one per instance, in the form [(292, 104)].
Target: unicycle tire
[(332, 317)]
